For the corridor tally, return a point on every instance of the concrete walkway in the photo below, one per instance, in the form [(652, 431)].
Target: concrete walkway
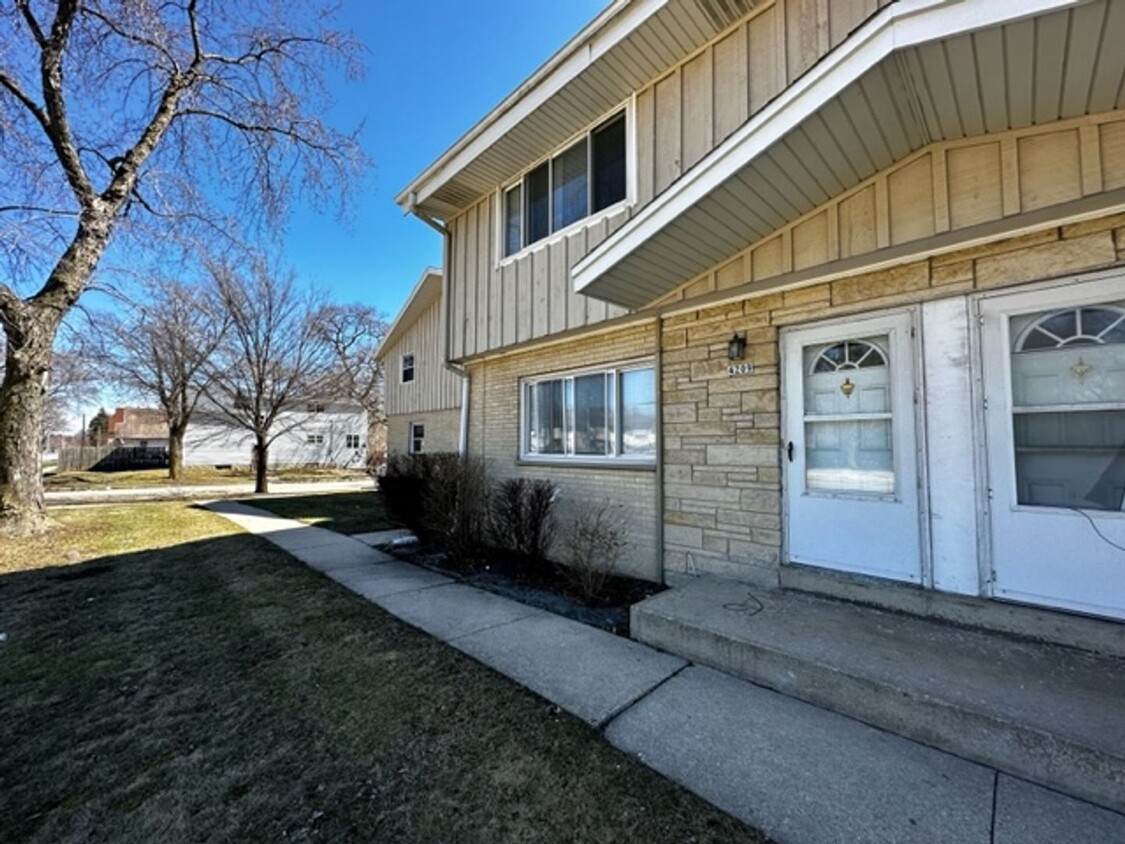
[(168, 492), (798, 773)]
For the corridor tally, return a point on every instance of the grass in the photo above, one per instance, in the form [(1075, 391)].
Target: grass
[(193, 475), (343, 512), (218, 690)]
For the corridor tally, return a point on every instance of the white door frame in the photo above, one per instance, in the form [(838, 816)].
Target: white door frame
[(830, 327), (1082, 290)]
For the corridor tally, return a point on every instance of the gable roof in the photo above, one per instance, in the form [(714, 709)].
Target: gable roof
[(427, 290), (917, 72), (621, 50)]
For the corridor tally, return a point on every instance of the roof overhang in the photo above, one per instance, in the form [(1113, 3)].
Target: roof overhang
[(427, 290), (919, 71), (625, 47)]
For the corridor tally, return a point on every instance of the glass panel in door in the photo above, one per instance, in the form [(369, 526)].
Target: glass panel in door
[(848, 418), (1068, 407)]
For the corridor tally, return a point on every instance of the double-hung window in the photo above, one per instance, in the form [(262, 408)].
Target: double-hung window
[(602, 414), (407, 369), (584, 178)]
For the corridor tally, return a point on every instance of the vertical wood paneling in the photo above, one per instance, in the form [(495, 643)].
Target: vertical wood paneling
[(595, 308), (730, 84), (434, 387), (1112, 136), (910, 198), (803, 33), (495, 279), (525, 284), (457, 288), (646, 144), (509, 295), (470, 281), (975, 190), (698, 109), (576, 249), (810, 242), (541, 296), (765, 53), (857, 223), (846, 15), (557, 283), (668, 136), (1050, 169)]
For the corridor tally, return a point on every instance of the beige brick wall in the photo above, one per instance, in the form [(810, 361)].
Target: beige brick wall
[(494, 430), (443, 431), (722, 437)]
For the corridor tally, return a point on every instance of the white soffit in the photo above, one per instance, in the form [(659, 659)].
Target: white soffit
[(427, 290), (921, 71), (621, 51)]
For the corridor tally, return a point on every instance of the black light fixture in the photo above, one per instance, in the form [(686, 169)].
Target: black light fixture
[(736, 346)]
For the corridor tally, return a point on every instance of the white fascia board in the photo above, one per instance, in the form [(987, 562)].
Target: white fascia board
[(605, 32), (405, 318), (905, 24)]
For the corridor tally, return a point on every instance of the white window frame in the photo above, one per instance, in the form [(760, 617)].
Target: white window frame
[(314, 439), (628, 108), (410, 447), (352, 438), (616, 457), (402, 370)]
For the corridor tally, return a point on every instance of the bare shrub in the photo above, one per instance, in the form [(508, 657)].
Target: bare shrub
[(520, 517), (443, 497), (594, 538)]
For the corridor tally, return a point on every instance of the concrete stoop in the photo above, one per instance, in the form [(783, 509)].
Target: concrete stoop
[(1047, 713)]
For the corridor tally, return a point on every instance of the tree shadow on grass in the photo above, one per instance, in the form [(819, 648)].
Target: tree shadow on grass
[(220, 690), (344, 512)]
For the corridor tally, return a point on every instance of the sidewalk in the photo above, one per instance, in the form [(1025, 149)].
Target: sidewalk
[(798, 773), (180, 491)]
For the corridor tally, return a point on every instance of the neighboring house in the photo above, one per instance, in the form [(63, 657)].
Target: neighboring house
[(138, 427), (423, 395), (321, 433), (813, 289)]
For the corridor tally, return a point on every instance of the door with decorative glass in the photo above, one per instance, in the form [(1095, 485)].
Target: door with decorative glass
[(1054, 378), (851, 457)]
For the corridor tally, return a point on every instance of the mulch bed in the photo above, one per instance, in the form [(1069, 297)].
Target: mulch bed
[(545, 586)]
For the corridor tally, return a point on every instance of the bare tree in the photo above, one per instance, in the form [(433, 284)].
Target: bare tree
[(142, 118), (72, 382), (273, 360), (354, 332), (160, 348)]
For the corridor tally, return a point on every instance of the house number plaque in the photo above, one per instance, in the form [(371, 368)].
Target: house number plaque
[(740, 369)]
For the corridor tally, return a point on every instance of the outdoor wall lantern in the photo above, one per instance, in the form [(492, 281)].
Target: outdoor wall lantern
[(736, 346)]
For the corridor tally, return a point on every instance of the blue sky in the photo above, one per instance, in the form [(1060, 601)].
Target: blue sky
[(433, 70)]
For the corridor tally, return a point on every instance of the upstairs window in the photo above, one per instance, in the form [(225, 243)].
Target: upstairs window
[(407, 368), (584, 178), (351, 441)]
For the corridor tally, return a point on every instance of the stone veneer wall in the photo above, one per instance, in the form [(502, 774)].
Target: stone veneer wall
[(722, 434), (494, 431)]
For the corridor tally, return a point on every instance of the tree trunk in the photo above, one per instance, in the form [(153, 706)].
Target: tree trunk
[(261, 465), (22, 399), (176, 452)]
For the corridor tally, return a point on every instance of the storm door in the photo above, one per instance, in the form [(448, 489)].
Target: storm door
[(851, 456), (1054, 377)]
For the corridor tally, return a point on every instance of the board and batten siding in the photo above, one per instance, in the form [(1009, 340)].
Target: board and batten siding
[(944, 187), (434, 387), (679, 118)]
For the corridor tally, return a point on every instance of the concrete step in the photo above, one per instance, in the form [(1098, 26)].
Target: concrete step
[(1050, 714)]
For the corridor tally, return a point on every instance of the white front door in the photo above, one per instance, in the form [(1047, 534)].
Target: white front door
[(1054, 381), (851, 464)]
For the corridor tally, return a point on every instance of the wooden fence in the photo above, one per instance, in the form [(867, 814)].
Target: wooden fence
[(111, 458)]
